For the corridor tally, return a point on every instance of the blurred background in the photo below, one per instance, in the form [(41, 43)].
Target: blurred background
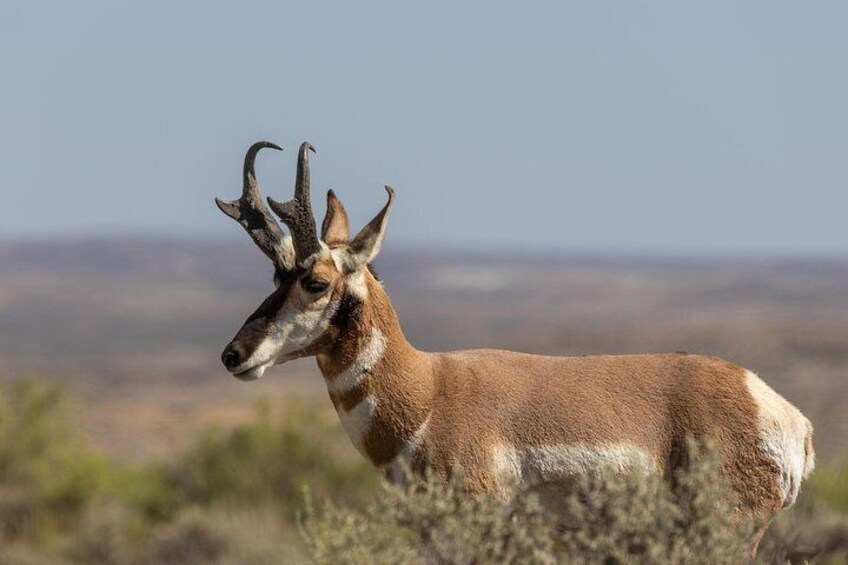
[(572, 178)]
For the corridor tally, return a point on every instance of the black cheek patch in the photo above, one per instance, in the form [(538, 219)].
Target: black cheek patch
[(347, 311), (274, 303)]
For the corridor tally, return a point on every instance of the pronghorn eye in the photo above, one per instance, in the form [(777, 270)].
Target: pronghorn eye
[(314, 286)]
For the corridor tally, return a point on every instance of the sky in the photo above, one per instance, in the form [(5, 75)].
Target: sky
[(623, 127)]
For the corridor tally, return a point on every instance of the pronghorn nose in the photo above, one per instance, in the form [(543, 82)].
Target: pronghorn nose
[(232, 356)]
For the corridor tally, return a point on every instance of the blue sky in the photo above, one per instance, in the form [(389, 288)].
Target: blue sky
[(648, 127)]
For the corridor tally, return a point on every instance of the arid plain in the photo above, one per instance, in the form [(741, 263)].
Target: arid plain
[(133, 328)]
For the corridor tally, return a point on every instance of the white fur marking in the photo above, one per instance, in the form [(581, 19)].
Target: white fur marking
[(345, 264), (287, 252), (296, 326), (366, 360), (357, 421), (395, 470), (783, 435), (357, 286), (338, 259), (302, 323), (553, 463)]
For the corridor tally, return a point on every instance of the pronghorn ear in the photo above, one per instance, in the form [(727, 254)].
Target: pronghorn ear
[(335, 229), (366, 245)]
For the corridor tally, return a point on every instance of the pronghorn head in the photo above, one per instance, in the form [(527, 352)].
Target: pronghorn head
[(313, 276)]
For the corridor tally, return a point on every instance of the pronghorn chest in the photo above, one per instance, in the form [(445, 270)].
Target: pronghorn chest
[(352, 391), (358, 420), (382, 421)]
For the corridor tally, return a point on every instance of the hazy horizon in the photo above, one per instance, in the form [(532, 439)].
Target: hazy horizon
[(442, 249)]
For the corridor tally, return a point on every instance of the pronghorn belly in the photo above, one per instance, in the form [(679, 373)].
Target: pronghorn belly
[(552, 464)]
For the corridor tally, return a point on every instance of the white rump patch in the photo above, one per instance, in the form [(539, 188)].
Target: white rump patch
[(357, 421), (554, 463), (784, 433), (366, 360)]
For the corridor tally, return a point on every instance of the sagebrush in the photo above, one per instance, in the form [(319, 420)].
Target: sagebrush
[(233, 496), (609, 518)]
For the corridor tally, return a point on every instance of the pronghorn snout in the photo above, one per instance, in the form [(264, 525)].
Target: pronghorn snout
[(250, 352), (233, 355), (238, 358)]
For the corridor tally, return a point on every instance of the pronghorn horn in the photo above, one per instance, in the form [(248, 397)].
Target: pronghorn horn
[(297, 212), (253, 215)]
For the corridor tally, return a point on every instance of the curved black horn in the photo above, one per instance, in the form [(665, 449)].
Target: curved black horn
[(250, 158), (297, 212), (250, 211)]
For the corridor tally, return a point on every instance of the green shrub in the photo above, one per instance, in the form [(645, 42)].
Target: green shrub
[(426, 521), (639, 519), (611, 518), (267, 463), (230, 499), (102, 535), (830, 482), (47, 474), (816, 528), (211, 535)]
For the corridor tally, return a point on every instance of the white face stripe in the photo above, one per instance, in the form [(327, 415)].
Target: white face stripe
[(299, 327), (367, 358), (783, 436), (296, 326), (553, 463), (357, 421)]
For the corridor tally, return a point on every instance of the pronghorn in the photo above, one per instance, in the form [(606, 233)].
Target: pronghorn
[(500, 416)]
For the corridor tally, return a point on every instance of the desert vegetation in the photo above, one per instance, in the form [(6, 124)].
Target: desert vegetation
[(277, 490), (122, 440)]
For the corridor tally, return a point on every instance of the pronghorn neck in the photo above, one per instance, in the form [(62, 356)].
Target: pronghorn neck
[(381, 386)]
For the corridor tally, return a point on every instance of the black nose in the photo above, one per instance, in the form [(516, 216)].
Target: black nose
[(232, 356)]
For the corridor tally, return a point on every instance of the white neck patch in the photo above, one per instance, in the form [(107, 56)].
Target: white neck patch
[(367, 358), (357, 422)]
